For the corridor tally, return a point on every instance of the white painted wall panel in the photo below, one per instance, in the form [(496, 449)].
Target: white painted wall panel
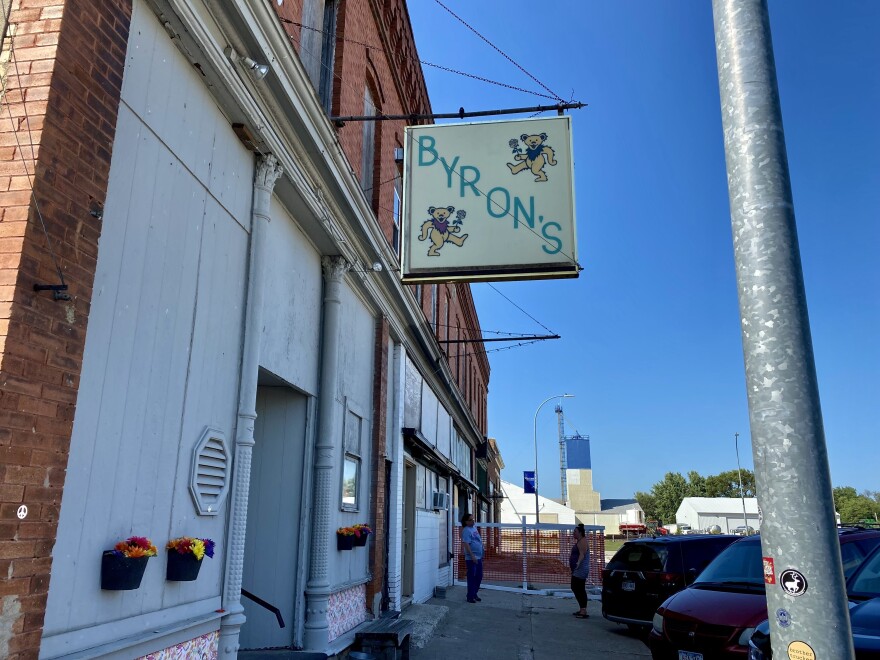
[(429, 414), (426, 552), (292, 305), (163, 344), (444, 432), (169, 95), (357, 339)]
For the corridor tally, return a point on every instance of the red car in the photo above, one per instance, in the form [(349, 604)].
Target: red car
[(716, 615)]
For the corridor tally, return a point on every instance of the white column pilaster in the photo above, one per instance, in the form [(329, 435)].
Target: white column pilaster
[(316, 632), (267, 173)]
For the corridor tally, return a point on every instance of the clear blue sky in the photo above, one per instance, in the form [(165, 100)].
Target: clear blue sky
[(650, 333)]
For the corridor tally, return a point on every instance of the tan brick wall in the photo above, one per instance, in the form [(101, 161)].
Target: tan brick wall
[(62, 81)]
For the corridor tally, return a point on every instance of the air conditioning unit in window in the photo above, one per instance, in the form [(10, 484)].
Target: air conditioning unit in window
[(440, 500)]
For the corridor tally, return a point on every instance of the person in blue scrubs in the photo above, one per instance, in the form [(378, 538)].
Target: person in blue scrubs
[(472, 546)]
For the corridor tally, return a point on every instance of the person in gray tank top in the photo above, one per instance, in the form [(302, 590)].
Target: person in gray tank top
[(579, 562)]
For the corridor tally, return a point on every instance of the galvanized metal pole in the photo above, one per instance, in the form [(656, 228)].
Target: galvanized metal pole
[(806, 598)]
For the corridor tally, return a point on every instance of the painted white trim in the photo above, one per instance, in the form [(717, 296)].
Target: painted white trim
[(104, 639)]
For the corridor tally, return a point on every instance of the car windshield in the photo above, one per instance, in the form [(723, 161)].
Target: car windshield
[(639, 557), (740, 563), (866, 582)]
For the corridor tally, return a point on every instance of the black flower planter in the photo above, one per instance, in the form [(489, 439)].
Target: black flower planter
[(182, 568), (120, 573), (361, 541), (344, 542)]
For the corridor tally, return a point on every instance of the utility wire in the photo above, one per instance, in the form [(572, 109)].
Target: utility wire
[(15, 130), (503, 54)]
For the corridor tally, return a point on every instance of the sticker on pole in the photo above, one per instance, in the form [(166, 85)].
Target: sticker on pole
[(783, 618), (793, 582), (800, 651), (769, 571)]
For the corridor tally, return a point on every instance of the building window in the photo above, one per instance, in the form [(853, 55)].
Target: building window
[(458, 352), (446, 332), (351, 462), (368, 154), (328, 54), (398, 200), (421, 479)]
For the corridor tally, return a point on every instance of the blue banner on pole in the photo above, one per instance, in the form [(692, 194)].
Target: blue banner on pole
[(529, 482)]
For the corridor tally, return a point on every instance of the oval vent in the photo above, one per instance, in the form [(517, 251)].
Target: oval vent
[(210, 473)]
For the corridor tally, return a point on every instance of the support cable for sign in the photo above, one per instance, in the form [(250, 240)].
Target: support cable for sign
[(454, 170), (501, 52), (465, 74), (491, 286)]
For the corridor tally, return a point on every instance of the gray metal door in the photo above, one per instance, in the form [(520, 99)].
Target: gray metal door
[(274, 516)]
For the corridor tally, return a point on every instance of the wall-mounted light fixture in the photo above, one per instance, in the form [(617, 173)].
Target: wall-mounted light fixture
[(258, 71), (375, 267)]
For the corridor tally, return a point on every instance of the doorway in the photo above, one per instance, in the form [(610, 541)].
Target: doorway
[(409, 530), (274, 518)]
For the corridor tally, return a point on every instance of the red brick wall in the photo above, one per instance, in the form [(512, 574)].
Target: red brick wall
[(70, 59), (378, 494)]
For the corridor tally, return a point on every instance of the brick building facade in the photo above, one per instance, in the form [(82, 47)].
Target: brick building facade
[(98, 99)]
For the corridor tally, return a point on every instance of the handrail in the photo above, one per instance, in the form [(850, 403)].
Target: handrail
[(262, 603)]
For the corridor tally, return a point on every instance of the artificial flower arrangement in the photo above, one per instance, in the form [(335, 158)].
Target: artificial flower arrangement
[(355, 535), (190, 544), (135, 546), (361, 529), (185, 556), (122, 568)]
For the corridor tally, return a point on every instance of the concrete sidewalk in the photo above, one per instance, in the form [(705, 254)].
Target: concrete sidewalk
[(514, 626)]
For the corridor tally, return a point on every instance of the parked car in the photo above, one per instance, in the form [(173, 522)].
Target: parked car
[(863, 591), (717, 614), (744, 530), (645, 572)]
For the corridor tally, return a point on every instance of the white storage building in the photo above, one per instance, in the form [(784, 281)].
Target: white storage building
[(517, 503), (726, 512)]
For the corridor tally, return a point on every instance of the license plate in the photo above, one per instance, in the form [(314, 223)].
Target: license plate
[(689, 655), (628, 586)]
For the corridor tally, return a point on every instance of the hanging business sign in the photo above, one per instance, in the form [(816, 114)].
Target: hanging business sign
[(489, 201), (528, 481)]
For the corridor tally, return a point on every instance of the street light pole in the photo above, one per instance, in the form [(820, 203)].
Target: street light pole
[(792, 475), (742, 493), (535, 436)]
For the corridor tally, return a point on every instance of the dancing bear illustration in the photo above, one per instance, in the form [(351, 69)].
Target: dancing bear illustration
[(537, 155), (439, 229)]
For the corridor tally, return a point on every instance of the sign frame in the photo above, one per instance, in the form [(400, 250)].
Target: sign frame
[(414, 219)]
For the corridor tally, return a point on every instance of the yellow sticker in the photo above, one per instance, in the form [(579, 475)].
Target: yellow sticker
[(800, 651)]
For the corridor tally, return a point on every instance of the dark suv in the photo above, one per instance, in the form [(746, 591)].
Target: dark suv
[(645, 572), (715, 616)]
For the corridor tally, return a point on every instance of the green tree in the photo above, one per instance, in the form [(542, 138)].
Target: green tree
[(648, 504), (854, 507), (726, 484), (666, 495)]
